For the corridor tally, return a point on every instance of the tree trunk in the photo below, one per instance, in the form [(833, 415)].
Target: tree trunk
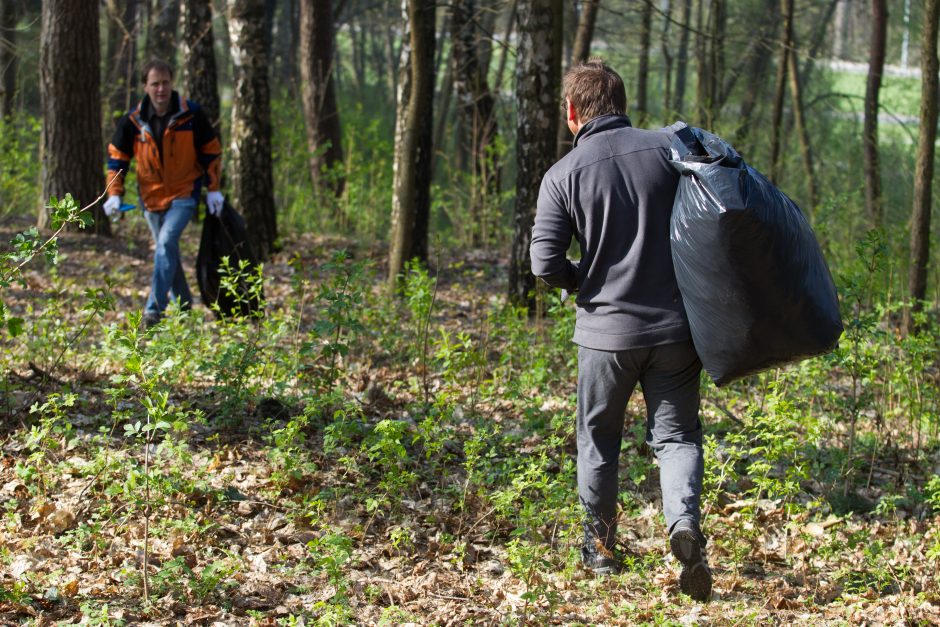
[(755, 73), (806, 151), (641, 109), (703, 80), (776, 124), (718, 19), (393, 54), (579, 54), (70, 82), (585, 34), (251, 172), (924, 169), (510, 26), (475, 111), (163, 27), (200, 80), (538, 73), (122, 52), (682, 58), (324, 138), (667, 63), (876, 63), (411, 200), (8, 18)]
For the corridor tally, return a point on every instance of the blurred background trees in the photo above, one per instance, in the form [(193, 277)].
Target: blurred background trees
[(824, 97)]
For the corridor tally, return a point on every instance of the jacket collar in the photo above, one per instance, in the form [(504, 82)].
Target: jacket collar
[(146, 112), (599, 124)]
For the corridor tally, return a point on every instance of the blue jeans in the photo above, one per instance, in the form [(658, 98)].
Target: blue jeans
[(669, 376), (168, 280)]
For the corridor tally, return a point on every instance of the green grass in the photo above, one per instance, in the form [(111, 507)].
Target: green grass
[(899, 96)]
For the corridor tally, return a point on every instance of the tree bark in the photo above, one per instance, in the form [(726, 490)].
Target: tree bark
[(510, 26), (411, 201), (163, 29), (776, 124), (200, 79), (579, 54), (283, 46), (667, 63), (802, 133), (251, 171), (476, 115), (755, 73), (585, 33), (538, 73), (876, 63), (718, 20), (641, 109), (703, 79), (8, 18), (324, 137), (682, 58), (122, 52), (70, 82), (924, 168)]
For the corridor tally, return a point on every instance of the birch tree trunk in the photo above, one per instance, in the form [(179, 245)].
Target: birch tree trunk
[(69, 86), (251, 172), (538, 70), (324, 137), (924, 169)]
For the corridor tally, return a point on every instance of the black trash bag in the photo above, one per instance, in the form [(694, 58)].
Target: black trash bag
[(753, 279), (226, 236)]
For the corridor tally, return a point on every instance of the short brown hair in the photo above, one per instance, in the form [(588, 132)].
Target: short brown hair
[(155, 64), (595, 89)]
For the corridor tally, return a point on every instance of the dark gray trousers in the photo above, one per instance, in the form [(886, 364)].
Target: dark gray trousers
[(669, 378)]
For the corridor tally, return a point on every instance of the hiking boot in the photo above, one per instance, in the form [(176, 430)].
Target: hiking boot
[(599, 559), (150, 320), (688, 545)]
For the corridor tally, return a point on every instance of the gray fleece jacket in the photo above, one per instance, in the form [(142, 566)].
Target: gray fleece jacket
[(613, 192)]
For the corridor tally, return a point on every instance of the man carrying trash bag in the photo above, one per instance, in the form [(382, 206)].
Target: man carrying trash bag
[(614, 193), (177, 152)]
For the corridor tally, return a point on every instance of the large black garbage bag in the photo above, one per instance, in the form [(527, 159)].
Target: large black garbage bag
[(753, 279), (227, 236)]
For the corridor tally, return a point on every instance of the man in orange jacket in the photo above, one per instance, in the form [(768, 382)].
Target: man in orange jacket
[(177, 151)]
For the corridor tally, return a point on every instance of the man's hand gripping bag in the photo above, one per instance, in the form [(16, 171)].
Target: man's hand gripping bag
[(753, 279)]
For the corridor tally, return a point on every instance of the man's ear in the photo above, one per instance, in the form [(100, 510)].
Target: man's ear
[(572, 113)]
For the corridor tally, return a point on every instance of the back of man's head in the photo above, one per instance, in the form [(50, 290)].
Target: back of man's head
[(595, 89)]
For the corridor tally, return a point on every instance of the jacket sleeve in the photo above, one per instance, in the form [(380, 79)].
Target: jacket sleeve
[(120, 153), (551, 236), (208, 148)]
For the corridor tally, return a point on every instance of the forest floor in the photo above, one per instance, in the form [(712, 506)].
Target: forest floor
[(417, 493)]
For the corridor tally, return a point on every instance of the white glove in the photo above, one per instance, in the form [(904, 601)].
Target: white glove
[(112, 205), (214, 202)]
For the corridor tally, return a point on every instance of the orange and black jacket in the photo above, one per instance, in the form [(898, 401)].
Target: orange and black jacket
[(173, 166)]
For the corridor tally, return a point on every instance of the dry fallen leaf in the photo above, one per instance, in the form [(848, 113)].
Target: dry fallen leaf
[(70, 589), (60, 520)]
